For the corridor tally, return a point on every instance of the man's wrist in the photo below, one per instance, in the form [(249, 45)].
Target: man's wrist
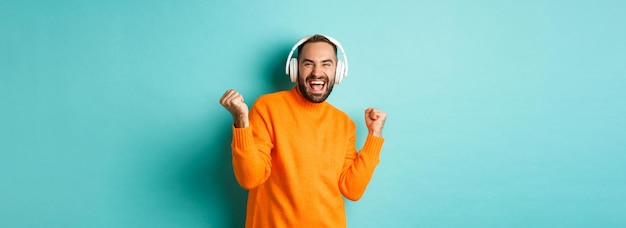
[(376, 133), (241, 121)]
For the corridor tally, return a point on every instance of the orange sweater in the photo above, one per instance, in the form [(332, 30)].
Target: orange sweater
[(297, 158)]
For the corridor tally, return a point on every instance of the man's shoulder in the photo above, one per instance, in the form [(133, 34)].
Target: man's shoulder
[(273, 96), (271, 99), (338, 112), (281, 93)]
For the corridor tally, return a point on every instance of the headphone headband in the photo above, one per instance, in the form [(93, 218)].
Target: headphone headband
[(343, 72)]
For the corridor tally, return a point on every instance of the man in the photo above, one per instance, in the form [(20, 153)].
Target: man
[(296, 153)]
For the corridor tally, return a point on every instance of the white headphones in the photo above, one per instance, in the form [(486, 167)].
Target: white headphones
[(291, 67)]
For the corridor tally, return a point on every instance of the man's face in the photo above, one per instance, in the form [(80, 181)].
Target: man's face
[(317, 62)]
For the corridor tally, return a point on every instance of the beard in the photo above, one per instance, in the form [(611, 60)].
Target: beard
[(305, 90)]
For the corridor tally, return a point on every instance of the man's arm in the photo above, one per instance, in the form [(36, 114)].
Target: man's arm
[(251, 165), (359, 168)]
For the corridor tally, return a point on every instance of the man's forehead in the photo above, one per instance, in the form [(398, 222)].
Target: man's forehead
[(317, 48)]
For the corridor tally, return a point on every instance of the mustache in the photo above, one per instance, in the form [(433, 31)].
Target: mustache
[(313, 77)]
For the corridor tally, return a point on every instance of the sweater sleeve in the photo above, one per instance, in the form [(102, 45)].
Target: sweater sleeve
[(359, 167), (251, 148)]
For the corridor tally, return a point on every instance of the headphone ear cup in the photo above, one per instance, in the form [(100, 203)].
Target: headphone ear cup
[(339, 72), (293, 69)]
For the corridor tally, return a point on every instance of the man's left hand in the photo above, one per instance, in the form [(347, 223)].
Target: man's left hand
[(375, 120)]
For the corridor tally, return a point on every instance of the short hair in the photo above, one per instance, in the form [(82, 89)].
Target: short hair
[(317, 38)]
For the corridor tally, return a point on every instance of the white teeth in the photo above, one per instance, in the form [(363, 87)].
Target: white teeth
[(317, 83)]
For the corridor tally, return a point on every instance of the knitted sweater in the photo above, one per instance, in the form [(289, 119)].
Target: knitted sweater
[(297, 159)]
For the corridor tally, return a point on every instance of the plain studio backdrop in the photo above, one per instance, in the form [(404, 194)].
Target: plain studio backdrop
[(500, 113)]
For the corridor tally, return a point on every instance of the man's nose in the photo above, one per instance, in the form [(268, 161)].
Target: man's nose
[(317, 71)]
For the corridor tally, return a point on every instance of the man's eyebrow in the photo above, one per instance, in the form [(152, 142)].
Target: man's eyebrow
[(324, 61)]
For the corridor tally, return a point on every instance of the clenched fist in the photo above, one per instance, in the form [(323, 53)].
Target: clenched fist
[(375, 120), (233, 102)]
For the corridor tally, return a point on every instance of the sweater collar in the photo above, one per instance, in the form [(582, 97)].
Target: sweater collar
[(301, 101)]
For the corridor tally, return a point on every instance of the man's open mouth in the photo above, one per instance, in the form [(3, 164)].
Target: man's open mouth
[(316, 86)]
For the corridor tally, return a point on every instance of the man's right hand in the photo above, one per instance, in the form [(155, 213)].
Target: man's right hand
[(233, 102)]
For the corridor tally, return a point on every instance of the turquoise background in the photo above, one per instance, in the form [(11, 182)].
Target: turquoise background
[(500, 113)]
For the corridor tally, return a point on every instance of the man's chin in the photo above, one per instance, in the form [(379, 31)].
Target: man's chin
[(315, 97), (316, 94)]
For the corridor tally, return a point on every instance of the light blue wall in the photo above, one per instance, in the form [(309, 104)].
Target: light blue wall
[(500, 113)]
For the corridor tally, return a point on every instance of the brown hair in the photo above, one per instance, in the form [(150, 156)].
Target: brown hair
[(316, 38)]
